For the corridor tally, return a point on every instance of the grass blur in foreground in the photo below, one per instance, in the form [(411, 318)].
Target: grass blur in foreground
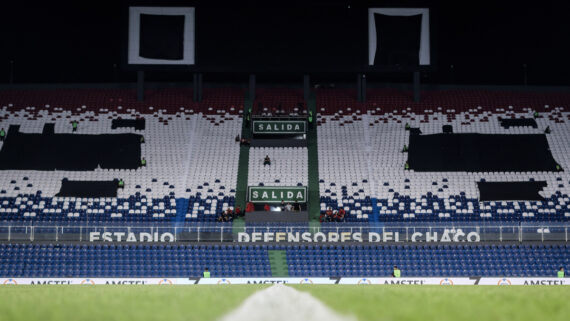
[(203, 302), (120, 302), (446, 303)]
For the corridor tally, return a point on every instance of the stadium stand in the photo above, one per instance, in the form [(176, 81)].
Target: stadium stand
[(212, 174), (279, 101), (289, 166), (131, 261), (191, 176), (427, 261), (163, 190), (48, 260), (363, 162), (164, 104), (360, 158)]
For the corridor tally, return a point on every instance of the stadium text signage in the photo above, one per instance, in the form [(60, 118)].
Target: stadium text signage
[(272, 194), (371, 237), (302, 237), (279, 127), (130, 237)]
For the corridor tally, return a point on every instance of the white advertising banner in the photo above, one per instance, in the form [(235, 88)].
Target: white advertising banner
[(524, 281), (272, 280), (409, 281), (268, 281), (93, 281)]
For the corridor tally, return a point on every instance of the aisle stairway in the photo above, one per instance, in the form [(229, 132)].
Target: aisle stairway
[(278, 262), (243, 167), (314, 197), (291, 166)]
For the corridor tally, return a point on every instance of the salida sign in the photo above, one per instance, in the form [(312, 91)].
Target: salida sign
[(279, 127), (273, 194)]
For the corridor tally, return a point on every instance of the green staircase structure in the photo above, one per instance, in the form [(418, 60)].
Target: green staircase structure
[(314, 199), (278, 262), (313, 166), (243, 167)]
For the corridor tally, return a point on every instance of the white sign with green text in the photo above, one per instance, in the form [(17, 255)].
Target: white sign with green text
[(275, 194)]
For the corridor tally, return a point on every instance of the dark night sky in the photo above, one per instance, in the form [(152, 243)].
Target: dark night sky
[(80, 41)]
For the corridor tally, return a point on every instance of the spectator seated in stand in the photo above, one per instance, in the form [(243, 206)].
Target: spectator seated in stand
[(327, 216), (249, 207), (227, 216), (339, 215), (267, 161), (297, 206)]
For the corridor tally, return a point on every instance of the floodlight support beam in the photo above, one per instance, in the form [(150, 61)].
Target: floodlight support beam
[(140, 85), (359, 87), (363, 89), (252, 87), (416, 86), (200, 86), (195, 87), (306, 87), (11, 71)]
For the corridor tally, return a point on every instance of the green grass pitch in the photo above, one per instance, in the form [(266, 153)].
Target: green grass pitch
[(380, 302)]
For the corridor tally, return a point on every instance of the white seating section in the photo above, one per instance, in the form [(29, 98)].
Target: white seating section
[(195, 157), (289, 166), (215, 156), (342, 159), (369, 149), (213, 168), (185, 153)]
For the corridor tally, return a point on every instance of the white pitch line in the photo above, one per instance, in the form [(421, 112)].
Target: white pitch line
[(283, 303)]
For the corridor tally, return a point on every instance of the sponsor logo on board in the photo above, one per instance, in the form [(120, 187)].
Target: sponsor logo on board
[(446, 282), (267, 281), (405, 282), (224, 281), (544, 282), (364, 281), (10, 282), (49, 282)]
